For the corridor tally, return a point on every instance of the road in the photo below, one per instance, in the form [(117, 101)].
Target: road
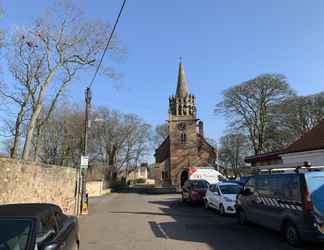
[(153, 222)]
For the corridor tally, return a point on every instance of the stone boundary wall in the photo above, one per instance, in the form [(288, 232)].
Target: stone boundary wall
[(29, 182), (96, 188)]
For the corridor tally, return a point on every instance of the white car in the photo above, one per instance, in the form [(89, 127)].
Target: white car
[(222, 196), (208, 174)]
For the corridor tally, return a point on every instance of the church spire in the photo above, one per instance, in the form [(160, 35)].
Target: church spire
[(182, 88), (183, 103)]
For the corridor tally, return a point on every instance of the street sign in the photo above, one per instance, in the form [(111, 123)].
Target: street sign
[(84, 162)]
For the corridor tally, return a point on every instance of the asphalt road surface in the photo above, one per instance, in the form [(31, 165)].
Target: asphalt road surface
[(153, 222)]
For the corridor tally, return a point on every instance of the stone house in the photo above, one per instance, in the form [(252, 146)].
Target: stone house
[(138, 173)]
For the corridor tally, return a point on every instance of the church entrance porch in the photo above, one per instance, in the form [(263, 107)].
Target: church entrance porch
[(183, 177)]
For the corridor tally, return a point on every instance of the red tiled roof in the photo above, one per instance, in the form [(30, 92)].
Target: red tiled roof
[(163, 151), (209, 147), (312, 140), (263, 157)]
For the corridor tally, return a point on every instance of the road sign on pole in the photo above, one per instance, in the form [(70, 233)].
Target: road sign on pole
[(84, 162)]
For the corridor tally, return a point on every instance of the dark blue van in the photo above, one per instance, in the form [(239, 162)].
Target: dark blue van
[(292, 203)]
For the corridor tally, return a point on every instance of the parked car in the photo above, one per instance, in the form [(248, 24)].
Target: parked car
[(292, 203), (233, 181), (37, 226), (206, 173), (222, 196), (243, 179), (193, 191)]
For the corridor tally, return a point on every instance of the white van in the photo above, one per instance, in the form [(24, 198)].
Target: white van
[(211, 175)]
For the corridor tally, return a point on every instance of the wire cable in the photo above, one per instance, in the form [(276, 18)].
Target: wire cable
[(107, 45)]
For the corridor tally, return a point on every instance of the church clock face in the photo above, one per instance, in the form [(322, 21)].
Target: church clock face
[(181, 126)]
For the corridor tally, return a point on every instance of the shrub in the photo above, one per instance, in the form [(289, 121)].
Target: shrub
[(140, 180)]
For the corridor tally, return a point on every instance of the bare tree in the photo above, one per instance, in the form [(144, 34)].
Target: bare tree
[(119, 140), (249, 106), (161, 132), (65, 44), (60, 142), (24, 67), (299, 114), (233, 149)]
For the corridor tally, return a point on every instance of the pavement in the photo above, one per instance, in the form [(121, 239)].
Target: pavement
[(135, 221)]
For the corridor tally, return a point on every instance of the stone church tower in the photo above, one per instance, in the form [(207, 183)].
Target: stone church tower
[(185, 146)]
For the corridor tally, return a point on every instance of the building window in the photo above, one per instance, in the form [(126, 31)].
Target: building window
[(183, 138), (142, 171)]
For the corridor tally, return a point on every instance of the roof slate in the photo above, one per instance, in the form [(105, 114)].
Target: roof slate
[(312, 140)]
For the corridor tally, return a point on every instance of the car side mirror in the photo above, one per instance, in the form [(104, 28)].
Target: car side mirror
[(247, 191), (51, 246), (44, 241)]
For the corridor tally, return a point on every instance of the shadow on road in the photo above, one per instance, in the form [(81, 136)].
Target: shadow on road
[(144, 189), (195, 224), (160, 214)]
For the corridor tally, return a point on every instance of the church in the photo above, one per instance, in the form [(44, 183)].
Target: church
[(185, 147)]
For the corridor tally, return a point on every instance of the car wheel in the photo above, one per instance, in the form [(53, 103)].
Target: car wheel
[(221, 209), (190, 200), (291, 235), (206, 204), (241, 217), (183, 198)]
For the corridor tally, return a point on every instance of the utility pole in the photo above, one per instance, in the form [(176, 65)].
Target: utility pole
[(86, 120), (83, 168), (84, 158)]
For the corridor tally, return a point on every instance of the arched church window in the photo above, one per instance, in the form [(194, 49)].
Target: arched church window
[(183, 138), (180, 110), (184, 110)]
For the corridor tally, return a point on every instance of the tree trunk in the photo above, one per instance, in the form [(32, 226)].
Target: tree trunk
[(19, 119), (36, 112), (38, 142), (14, 149), (30, 132)]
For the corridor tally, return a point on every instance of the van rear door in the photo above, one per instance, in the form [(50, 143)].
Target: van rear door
[(315, 188)]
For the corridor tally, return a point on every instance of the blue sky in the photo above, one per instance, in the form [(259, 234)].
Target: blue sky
[(222, 43)]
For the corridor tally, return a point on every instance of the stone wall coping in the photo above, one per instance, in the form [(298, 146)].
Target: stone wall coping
[(39, 164)]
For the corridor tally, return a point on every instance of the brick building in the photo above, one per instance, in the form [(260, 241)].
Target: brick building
[(185, 147)]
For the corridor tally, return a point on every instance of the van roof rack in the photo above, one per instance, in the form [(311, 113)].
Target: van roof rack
[(304, 166)]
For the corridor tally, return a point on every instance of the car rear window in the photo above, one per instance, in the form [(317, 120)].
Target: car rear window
[(230, 189), (315, 185), (199, 184), (14, 233)]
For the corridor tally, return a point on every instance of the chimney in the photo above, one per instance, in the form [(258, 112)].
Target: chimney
[(201, 128)]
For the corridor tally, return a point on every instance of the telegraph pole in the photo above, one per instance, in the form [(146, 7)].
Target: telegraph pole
[(86, 120), (84, 158)]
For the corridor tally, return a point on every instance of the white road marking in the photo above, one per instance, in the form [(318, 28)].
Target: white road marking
[(162, 231)]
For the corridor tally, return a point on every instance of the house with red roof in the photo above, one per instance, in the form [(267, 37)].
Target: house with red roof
[(309, 148)]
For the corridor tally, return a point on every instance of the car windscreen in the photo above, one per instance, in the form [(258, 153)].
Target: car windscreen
[(315, 185), (199, 184), (243, 179), (230, 189), (14, 233)]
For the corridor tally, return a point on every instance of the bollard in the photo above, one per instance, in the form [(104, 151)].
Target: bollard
[(85, 204)]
